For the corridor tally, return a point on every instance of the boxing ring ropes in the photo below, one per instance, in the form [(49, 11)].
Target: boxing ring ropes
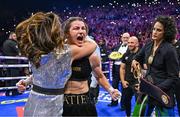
[(5, 66)]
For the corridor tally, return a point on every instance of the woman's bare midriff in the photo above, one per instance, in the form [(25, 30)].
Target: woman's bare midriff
[(76, 87)]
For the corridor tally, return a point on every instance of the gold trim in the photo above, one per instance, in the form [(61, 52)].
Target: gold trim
[(165, 99)]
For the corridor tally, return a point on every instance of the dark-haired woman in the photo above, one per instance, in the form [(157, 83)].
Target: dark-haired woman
[(161, 59), (77, 100)]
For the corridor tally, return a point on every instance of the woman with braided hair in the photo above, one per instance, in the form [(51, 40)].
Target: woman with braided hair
[(40, 40)]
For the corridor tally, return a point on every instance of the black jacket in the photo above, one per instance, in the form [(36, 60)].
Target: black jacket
[(164, 68)]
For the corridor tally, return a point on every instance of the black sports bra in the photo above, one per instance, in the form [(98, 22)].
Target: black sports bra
[(81, 69)]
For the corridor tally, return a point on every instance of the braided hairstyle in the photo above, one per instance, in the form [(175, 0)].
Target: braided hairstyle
[(38, 35)]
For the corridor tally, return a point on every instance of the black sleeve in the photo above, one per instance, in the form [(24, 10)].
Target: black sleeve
[(15, 48), (172, 69), (123, 60), (140, 56)]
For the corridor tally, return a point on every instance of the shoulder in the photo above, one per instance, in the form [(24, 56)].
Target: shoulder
[(117, 47), (168, 48), (93, 56), (94, 59)]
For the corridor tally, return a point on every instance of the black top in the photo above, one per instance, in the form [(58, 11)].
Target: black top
[(164, 68), (177, 46), (10, 48), (81, 70), (127, 60)]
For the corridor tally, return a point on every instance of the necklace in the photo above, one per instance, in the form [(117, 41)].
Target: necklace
[(150, 59)]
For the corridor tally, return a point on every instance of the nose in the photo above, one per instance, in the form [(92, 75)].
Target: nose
[(81, 30)]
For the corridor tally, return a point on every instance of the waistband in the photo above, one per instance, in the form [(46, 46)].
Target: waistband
[(72, 99), (47, 91)]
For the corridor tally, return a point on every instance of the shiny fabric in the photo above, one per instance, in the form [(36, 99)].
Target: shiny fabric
[(53, 73)]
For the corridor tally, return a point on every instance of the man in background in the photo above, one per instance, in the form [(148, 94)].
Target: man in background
[(10, 48), (121, 48)]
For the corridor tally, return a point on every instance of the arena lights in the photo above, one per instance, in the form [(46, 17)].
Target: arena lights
[(79, 13), (133, 5), (110, 4)]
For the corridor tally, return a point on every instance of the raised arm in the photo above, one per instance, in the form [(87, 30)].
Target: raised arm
[(79, 52)]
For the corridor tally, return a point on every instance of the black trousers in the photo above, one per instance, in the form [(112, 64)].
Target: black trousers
[(78, 105), (128, 94), (12, 72)]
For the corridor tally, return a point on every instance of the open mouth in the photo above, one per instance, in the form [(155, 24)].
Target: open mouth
[(80, 38)]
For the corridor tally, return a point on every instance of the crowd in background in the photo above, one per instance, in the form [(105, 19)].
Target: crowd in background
[(106, 23)]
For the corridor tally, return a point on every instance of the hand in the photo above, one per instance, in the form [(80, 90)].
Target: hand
[(136, 87), (125, 84), (134, 65), (115, 94), (21, 85)]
